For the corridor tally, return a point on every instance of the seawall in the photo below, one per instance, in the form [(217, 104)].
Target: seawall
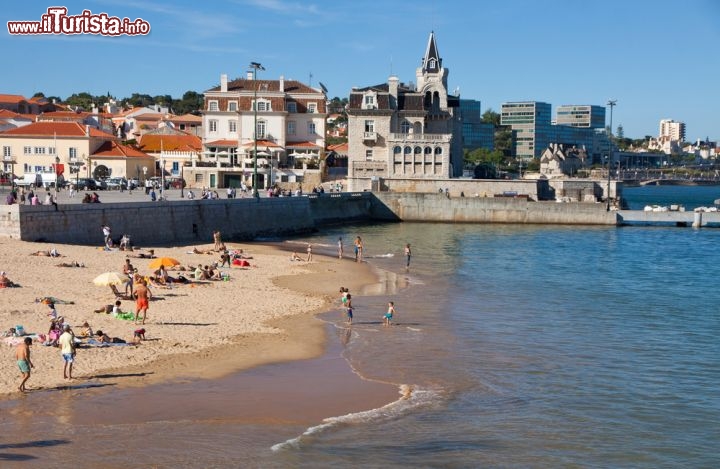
[(439, 208), (183, 221), (193, 221)]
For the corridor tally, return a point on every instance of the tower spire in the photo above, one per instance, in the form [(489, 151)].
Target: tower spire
[(432, 63)]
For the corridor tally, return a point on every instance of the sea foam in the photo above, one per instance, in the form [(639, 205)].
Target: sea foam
[(411, 398)]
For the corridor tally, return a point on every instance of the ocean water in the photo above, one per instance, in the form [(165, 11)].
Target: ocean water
[(688, 196), (513, 346)]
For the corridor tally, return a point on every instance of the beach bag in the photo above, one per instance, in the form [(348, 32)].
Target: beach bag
[(19, 331)]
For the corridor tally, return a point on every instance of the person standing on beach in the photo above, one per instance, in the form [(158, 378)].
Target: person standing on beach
[(349, 308), (389, 315), (22, 355), (309, 252), (340, 248), (358, 249), (106, 234), (142, 296), (408, 255), (67, 349), (217, 238)]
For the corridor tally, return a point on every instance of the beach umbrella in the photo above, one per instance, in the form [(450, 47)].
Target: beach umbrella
[(164, 262), (110, 278)]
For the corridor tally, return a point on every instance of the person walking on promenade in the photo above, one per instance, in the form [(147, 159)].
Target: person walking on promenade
[(390, 313), (22, 355), (340, 248), (67, 349), (142, 296), (408, 255)]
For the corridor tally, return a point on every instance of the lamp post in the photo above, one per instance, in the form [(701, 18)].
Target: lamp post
[(611, 103), (57, 168), (255, 67)]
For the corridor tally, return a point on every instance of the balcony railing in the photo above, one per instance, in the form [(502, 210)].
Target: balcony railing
[(420, 137), (371, 136)]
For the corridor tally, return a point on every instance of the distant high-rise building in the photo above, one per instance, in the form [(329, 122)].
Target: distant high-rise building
[(671, 130), (531, 127), (583, 116), (476, 133), (579, 126)]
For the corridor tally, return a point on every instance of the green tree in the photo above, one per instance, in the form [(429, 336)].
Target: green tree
[(491, 117), (83, 101)]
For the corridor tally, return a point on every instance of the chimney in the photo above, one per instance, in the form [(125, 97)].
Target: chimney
[(249, 75), (282, 84), (393, 86), (87, 130), (223, 83)]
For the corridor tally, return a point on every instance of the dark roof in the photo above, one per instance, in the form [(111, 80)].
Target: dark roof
[(291, 86)]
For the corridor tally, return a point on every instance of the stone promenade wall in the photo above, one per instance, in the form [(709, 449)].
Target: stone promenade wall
[(187, 221)]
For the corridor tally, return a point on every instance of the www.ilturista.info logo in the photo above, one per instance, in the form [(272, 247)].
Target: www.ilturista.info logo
[(57, 21)]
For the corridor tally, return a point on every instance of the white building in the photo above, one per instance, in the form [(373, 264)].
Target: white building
[(289, 135)]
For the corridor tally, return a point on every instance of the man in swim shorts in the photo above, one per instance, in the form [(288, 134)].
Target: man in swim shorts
[(142, 296), (67, 349), (22, 355), (348, 305)]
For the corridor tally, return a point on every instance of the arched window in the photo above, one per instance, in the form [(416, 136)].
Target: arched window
[(438, 151), (405, 126), (428, 151), (418, 150), (397, 150), (407, 150)]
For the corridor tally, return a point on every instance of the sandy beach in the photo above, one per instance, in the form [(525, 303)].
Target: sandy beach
[(262, 314)]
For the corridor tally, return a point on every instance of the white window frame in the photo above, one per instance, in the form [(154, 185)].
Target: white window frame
[(292, 107), (312, 108), (72, 153), (261, 129), (27, 150), (51, 150), (232, 126), (291, 129), (213, 106), (39, 150), (232, 106), (311, 129), (368, 154), (7, 151), (212, 126), (370, 126)]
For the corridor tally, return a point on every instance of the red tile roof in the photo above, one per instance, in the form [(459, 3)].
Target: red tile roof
[(185, 142), (186, 118), (5, 114), (222, 143), (290, 86), (150, 116), (60, 129), (112, 149), (338, 148), (262, 143), (301, 145), (11, 98)]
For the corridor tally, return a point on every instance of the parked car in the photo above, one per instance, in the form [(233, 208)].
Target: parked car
[(101, 185), (116, 184), (86, 184)]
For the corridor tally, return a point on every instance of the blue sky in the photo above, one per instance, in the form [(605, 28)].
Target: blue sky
[(659, 59)]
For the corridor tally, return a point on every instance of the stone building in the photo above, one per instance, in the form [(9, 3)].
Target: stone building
[(403, 131), (558, 161)]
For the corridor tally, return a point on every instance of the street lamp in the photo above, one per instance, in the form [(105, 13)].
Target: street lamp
[(255, 67), (611, 103), (57, 170)]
